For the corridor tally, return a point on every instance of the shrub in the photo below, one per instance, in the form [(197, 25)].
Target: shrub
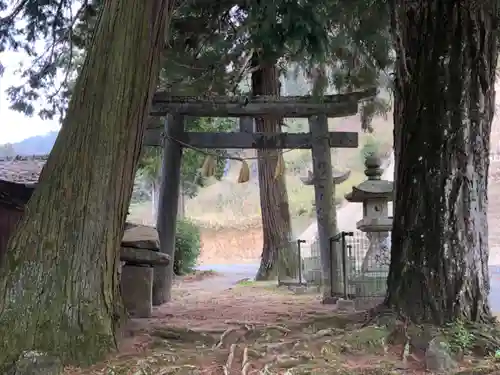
[(187, 247)]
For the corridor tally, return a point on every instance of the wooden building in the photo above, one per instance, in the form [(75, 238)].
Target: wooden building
[(18, 177)]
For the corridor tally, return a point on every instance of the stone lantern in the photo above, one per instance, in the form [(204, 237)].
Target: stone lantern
[(375, 195)]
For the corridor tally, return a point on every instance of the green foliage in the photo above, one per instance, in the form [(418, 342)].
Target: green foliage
[(27, 26), (187, 247), (370, 108), (460, 337), (371, 147), (192, 160), (210, 45), (298, 162), (150, 163)]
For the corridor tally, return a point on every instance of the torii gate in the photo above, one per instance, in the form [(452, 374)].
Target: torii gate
[(172, 137)]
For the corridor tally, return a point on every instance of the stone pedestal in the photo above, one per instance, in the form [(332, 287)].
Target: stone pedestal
[(378, 256), (137, 290)]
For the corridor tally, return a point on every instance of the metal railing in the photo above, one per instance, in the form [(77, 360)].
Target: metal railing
[(363, 277), (289, 264), (340, 238), (360, 275)]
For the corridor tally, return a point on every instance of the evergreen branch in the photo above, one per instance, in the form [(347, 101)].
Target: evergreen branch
[(14, 13)]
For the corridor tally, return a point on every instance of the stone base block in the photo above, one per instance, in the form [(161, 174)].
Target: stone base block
[(345, 305), (329, 300), (137, 290), (370, 284), (304, 289)]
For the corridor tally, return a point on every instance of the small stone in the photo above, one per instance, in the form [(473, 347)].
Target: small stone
[(329, 300), (298, 289), (345, 305), (438, 358), (37, 363)]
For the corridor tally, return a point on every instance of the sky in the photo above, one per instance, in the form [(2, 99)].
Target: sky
[(15, 126)]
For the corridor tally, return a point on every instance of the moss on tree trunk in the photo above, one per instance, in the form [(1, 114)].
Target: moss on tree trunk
[(59, 284), (277, 250), (444, 105)]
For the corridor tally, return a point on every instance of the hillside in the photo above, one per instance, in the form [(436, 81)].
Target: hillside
[(37, 145), (229, 215)]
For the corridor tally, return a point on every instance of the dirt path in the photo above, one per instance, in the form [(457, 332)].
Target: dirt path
[(210, 282), (256, 328), (205, 308)]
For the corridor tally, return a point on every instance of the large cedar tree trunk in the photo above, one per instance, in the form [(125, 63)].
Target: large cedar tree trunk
[(60, 293), (275, 211), (444, 104)]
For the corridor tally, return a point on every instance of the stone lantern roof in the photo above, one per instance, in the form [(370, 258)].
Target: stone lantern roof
[(374, 187), (374, 194), (338, 177)]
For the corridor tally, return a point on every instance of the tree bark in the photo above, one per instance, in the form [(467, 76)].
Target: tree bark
[(276, 225), (59, 284), (444, 105)]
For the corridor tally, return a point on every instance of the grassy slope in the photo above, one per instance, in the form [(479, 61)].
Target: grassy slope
[(229, 204)]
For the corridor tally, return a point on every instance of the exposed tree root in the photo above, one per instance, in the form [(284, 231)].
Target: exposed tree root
[(486, 337), (184, 335), (233, 336), (481, 338), (253, 348), (482, 370), (230, 358), (381, 314), (326, 332), (245, 364)]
